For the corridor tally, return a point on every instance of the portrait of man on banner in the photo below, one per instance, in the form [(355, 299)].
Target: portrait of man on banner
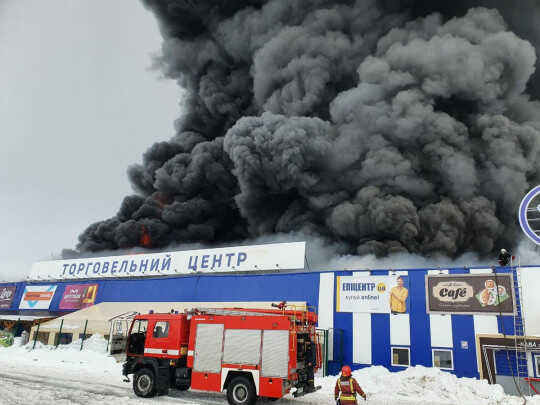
[(399, 294), (374, 294)]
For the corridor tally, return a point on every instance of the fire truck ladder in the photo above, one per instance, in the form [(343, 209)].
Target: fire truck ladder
[(299, 323), (522, 369), (234, 312)]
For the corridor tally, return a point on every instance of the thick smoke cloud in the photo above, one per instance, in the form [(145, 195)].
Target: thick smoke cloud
[(381, 126)]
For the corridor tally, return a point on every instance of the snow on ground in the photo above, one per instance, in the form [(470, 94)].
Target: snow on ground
[(67, 375), (91, 364), (420, 385)]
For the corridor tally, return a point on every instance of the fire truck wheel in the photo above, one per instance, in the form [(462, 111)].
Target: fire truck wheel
[(182, 387), (241, 392), (144, 383)]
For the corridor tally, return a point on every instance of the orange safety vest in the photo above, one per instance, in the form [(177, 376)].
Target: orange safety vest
[(347, 397)]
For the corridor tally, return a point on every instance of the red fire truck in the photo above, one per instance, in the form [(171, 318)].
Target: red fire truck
[(250, 353)]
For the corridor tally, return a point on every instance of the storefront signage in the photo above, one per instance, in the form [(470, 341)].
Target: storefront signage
[(6, 296), (78, 296), (277, 256), (470, 293), (37, 297), (529, 215), (373, 294), (488, 345)]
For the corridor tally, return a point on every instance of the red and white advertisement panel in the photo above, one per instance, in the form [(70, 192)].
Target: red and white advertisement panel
[(78, 296), (37, 297)]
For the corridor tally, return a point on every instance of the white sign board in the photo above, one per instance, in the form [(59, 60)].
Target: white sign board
[(530, 299), (37, 297), (274, 256), (529, 215), (372, 294)]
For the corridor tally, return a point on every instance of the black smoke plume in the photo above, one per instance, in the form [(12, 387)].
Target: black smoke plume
[(387, 126)]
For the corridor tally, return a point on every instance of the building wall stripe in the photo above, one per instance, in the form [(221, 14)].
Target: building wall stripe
[(464, 345), (440, 325), (420, 341), (326, 300), (400, 334), (380, 333), (362, 333)]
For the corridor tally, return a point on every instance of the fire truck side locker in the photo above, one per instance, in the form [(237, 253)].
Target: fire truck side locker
[(276, 356), (256, 347), (204, 354)]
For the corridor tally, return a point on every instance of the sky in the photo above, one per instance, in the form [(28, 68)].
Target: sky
[(79, 103)]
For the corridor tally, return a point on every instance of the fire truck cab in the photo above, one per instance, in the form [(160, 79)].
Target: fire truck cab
[(250, 353)]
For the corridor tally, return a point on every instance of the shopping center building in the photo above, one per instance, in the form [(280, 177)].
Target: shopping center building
[(463, 320)]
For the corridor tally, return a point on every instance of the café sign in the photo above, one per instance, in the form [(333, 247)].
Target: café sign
[(489, 293)]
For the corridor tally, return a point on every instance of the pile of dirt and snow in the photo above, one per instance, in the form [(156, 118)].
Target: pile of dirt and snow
[(95, 343), (420, 385)]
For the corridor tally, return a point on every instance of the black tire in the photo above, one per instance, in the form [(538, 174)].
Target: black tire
[(241, 391), (144, 383), (182, 387)]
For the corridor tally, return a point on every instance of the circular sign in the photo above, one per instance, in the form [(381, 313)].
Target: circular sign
[(529, 215)]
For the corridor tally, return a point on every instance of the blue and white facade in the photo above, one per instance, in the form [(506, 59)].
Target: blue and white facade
[(358, 339)]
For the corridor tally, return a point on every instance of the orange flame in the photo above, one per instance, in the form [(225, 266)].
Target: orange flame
[(146, 241)]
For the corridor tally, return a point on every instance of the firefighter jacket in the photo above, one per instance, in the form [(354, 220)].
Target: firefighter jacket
[(311, 355), (346, 389)]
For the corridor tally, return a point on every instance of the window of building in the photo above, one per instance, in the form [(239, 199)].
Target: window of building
[(537, 358), (161, 330), (64, 338), (443, 358), (42, 337), (401, 356)]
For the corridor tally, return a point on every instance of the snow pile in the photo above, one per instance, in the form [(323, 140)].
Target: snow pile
[(95, 343), (66, 359), (419, 386)]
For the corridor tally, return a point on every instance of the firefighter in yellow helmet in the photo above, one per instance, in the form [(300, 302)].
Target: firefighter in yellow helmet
[(347, 388)]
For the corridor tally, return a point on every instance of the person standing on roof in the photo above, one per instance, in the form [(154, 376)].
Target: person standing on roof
[(347, 388), (504, 258)]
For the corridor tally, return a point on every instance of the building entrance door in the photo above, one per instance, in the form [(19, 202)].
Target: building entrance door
[(506, 373)]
